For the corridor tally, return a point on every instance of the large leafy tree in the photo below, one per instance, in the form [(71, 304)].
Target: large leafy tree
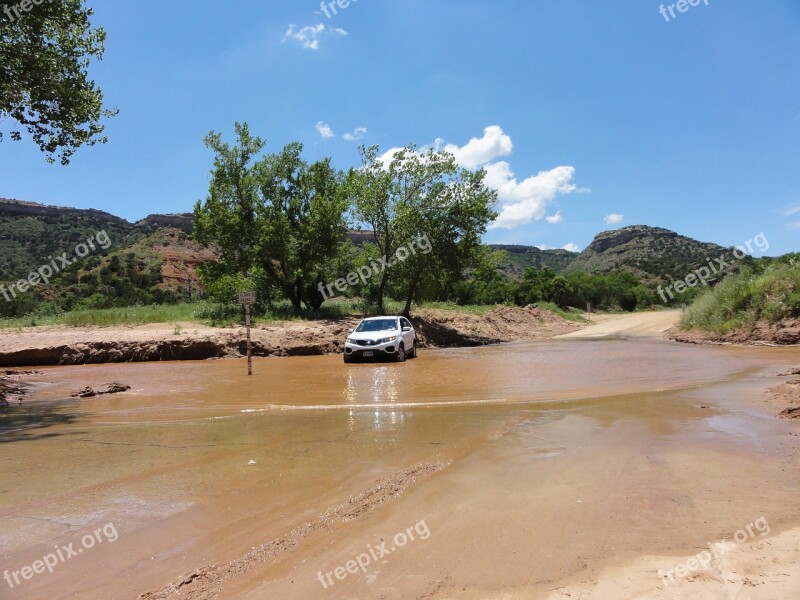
[(44, 81), (421, 196), (277, 220)]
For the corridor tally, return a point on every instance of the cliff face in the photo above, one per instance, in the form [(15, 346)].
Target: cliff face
[(21, 208), (182, 221), (522, 257)]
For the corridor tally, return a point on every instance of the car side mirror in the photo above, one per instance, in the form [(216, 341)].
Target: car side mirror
[(406, 328), (352, 331)]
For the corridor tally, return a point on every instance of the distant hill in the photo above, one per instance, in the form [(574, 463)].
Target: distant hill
[(653, 254), (157, 267), (522, 257), (31, 233), (157, 255)]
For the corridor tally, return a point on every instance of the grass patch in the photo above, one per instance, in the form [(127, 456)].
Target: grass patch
[(741, 301), (222, 315)]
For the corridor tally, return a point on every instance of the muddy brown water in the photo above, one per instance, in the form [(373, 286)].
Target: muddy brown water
[(544, 458)]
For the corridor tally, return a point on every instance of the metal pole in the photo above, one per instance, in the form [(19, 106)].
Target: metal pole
[(249, 348)]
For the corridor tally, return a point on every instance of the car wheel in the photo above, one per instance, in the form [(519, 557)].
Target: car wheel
[(413, 353), (401, 354)]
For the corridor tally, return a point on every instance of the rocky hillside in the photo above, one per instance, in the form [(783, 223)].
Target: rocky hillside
[(157, 252), (653, 254), (522, 257), (30, 233)]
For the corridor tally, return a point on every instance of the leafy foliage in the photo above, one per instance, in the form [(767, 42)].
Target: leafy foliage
[(278, 221), (420, 195), (44, 81)]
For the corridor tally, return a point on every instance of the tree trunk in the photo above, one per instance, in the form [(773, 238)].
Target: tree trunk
[(381, 288), (410, 298)]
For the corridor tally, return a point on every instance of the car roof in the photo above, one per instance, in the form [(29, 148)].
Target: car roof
[(378, 318)]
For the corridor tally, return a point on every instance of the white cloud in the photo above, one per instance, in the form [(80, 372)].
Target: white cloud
[(310, 35), (795, 225), (556, 218), (792, 211), (613, 219), (324, 130), (572, 247), (520, 201), (479, 151), (527, 200), (358, 134)]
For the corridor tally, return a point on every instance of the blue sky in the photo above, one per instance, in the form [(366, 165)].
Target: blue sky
[(588, 115)]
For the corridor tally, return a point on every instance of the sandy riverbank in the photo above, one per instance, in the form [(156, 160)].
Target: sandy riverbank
[(40, 346)]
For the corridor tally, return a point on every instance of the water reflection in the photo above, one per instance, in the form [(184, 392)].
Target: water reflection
[(374, 384)]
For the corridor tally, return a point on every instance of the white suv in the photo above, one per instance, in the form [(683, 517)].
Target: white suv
[(378, 337)]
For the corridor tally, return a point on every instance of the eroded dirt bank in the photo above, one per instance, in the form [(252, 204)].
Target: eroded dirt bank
[(785, 333), (188, 341)]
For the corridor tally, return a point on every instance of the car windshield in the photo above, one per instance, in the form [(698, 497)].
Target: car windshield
[(377, 325)]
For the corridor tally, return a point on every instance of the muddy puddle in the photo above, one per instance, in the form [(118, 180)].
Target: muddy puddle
[(528, 463)]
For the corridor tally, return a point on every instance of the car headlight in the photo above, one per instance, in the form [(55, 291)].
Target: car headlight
[(387, 339), (351, 341)]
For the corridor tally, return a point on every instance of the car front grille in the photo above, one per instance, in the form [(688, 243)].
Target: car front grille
[(366, 343)]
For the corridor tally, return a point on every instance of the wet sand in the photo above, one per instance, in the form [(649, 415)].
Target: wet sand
[(555, 469)]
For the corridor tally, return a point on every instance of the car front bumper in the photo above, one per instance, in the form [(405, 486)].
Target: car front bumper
[(372, 351)]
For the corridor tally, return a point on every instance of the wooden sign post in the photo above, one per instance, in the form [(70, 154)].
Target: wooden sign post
[(248, 299)]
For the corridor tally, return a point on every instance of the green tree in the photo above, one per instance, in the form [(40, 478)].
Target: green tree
[(44, 81), (277, 220), (560, 291), (423, 197)]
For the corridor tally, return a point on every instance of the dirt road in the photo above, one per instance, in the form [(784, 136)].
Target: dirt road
[(649, 324)]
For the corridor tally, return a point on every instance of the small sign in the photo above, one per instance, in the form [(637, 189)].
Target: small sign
[(247, 298)]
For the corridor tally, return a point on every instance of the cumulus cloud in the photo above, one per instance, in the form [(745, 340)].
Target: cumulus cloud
[(613, 219), (572, 247), (556, 218), (525, 201), (358, 134), (310, 35), (520, 202), (324, 130), (479, 151)]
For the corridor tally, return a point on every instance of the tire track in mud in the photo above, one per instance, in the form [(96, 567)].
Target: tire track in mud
[(206, 582)]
